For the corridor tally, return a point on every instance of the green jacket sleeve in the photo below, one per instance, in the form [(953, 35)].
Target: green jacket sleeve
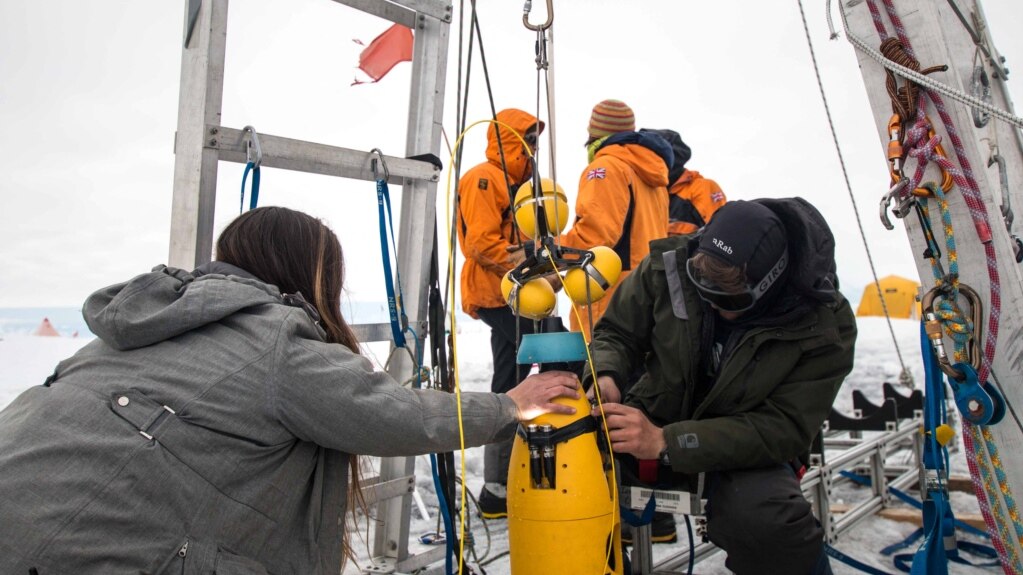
[(622, 336)]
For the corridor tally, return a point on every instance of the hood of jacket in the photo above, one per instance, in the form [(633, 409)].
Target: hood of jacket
[(168, 302), (812, 270), (681, 153), (512, 122), (648, 154)]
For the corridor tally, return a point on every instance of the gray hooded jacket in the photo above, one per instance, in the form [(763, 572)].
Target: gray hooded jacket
[(207, 429)]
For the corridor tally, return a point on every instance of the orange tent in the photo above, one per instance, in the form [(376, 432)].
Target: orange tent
[(46, 329)]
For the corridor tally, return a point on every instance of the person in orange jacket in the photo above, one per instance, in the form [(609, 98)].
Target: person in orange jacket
[(488, 240), (692, 199), (622, 201)]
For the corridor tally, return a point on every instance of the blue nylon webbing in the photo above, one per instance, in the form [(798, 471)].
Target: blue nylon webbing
[(907, 498), (854, 563), (254, 198), (399, 320)]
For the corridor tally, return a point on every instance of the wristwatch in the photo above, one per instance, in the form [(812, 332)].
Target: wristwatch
[(663, 457)]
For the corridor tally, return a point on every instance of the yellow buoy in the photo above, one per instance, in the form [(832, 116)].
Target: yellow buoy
[(555, 205), (533, 300), (600, 274)]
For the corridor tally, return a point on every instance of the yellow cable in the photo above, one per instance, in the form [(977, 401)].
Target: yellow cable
[(454, 348), (600, 404)]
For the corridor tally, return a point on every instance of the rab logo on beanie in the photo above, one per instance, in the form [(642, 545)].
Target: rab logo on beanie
[(722, 246), (750, 236)]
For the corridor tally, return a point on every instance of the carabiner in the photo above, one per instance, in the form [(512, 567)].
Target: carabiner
[(253, 151), (895, 151), (383, 165), (896, 154), (933, 328), (528, 7), (980, 88), (901, 210)]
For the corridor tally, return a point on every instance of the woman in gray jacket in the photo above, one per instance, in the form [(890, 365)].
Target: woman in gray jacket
[(212, 424)]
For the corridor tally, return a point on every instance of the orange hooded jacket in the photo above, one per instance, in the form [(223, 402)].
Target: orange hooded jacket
[(692, 203), (484, 212), (623, 204)]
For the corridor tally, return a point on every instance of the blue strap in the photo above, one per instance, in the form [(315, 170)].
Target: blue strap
[(254, 198), (909, 499), (984, 551), (930, 558), (854, 563), (639, 520), (399, 321), (449, 528), (909, 541), (903, 560)]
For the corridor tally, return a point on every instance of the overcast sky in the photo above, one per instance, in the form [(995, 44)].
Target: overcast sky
[(88, 108)]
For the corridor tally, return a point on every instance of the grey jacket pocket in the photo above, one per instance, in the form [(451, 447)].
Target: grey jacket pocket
[(228, 563), (198, 557)]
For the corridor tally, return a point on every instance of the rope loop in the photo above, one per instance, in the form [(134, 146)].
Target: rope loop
[(957, 325), (904, 98)]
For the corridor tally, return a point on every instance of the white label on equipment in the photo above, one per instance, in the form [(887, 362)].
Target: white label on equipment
[(675, 502)]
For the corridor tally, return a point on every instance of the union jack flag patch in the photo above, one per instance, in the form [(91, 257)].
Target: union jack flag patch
[(717, 197), (596, 174)]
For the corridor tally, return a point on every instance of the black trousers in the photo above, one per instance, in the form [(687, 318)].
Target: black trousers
[(758, 516), (504, 340), (761, 519)]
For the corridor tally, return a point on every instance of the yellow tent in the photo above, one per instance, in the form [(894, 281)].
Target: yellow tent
[(899, 296)]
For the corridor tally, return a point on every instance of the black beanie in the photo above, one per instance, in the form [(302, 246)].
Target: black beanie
[(746, 235)]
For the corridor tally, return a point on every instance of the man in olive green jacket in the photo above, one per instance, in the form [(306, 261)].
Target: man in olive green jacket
[(738, 375)]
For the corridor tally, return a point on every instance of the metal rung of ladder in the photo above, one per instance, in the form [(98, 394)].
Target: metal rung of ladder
[(313, 158)]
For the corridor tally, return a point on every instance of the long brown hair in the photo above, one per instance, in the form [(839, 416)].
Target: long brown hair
[(299, 254)]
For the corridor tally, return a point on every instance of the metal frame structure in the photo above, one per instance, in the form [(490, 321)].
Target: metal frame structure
[(201, 142), (845, 451)]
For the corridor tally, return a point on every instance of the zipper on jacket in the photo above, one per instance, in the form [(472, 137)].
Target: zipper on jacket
[(184, 550), (716, 390)]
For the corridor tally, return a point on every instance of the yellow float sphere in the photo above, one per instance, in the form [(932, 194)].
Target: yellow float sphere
[(600, 274), (555, 205), (533, 300)]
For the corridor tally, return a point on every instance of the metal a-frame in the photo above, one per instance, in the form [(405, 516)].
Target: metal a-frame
[(201, 142), (956, 34)]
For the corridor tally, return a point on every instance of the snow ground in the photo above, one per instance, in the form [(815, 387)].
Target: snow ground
[(26, 361)]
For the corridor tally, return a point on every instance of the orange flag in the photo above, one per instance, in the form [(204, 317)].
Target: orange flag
[(384, 52)]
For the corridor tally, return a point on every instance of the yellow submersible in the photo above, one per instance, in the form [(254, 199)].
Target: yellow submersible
[(562, 511)]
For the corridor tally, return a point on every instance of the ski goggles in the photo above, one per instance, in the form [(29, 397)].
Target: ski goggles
[(730, 301)]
